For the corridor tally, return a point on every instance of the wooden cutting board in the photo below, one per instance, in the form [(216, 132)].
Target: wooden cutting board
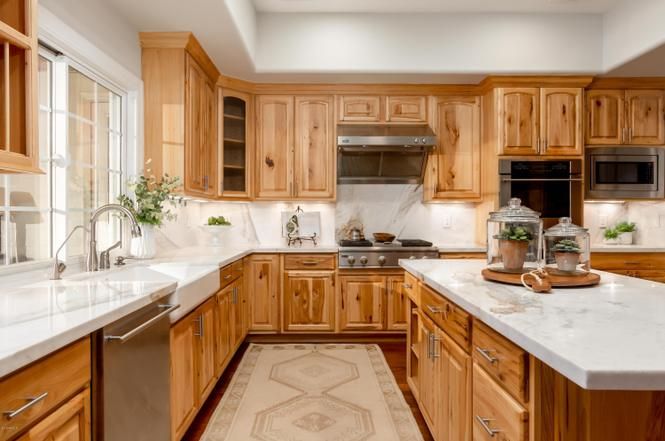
[(557, 280)]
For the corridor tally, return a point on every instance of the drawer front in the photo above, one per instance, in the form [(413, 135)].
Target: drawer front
[(236, 269), (309, 261), (360, 108), (226, 276), (407, 109), (451, 318), (653, 275), (45, 384), (506, 362), (496, 415), (628, 261), (411, 287)]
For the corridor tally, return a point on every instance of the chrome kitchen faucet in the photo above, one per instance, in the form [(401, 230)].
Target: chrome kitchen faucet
[(92, 261)]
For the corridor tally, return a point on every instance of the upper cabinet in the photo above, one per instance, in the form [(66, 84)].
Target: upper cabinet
[(382, 109), (235, 139), (180, 111), (19, 144), (625, 117), (540, 121), (295, 147), (453, 170)]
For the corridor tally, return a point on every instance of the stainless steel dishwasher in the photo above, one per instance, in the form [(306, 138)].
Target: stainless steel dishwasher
[(131, 393)]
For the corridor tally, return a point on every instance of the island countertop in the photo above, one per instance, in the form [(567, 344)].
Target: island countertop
[(607, 337)]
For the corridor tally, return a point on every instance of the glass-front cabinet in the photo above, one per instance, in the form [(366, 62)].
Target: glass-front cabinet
[(18, 87), (235, 144)]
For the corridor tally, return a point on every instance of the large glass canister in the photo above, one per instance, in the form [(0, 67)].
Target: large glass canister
[(567, 248), (514, 238)]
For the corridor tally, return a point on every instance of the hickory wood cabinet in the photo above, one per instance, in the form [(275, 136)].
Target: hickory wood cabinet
[(625, 117), (539, 121), (180, 111), (649, 266), (295, 147), (382, 109), (19, 144), (309, 301), (235, 136), (454, 169), (262, 282)]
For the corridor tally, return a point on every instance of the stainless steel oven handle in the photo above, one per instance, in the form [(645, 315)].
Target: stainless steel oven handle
[(143, 326), (541, 180)]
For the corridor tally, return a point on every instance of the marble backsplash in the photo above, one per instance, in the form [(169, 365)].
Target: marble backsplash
[(649, 216)]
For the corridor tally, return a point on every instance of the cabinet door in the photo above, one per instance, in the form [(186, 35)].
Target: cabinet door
[(315, 147), (453, 170), (224, 328), (69, 422), (518, 121), (362, 300), (235, 142), (274, 149), (561, 121), (455, 416), (605, 117), (354, 108), (646, 121), (309, 301), (237, 308), (406, 109), (262, 281), (200, 149), (184, 385), (397, 304), (206, 348), (428, 373), (413, 346)]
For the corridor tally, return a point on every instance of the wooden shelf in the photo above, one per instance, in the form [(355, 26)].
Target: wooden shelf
[(234, 167), (235, 141), (234, 117)]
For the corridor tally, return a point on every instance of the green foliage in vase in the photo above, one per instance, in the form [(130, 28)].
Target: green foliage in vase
[(611, 233), (150, 196), (625, 227), (566, 246), (515, 232), (218, 220)]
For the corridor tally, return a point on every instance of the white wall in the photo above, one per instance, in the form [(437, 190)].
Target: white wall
[(455, 43)]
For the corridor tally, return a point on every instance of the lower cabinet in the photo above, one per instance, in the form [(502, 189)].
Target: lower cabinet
[(70, 422), (224, 339), (309, 301), (362, 300), (397, 304), (262, 281)]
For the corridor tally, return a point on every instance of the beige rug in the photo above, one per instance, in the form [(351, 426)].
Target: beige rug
[(324, 392)]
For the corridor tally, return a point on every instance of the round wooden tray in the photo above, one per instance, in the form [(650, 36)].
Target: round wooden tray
[(557, 280)]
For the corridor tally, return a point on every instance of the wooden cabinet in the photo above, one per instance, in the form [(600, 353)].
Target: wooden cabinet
[(237, 313), (180, 111), (224, 337), (315, 164), (455, 387), (358, 108), (649, 266), (206, 372), (19, 143), (69, 422), (429, 392), (236, 137), (309, 301), (295, 147), (413, 345), (411, 109), (263, 288), (540, 121), (397, 305), (382, 109), (454, 169), (362, 300), (625, 117)]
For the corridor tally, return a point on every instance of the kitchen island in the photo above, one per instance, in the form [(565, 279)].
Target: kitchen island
[(577, 364)]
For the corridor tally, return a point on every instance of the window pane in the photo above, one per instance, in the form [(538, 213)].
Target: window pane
[(28, 234), (102, 187), (115, 152), (28, 191), (75, 246), (80, 188), (108, 231), (102, 149), (44, 75), (81, 141), (44, 136), (81, 94)]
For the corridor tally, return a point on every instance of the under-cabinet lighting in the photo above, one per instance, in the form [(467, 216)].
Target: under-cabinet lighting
[(605, 202)]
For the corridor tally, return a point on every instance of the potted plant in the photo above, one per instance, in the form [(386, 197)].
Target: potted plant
[(215, 226), (625, 230), (147, 205), (514, 244), (611, 236), (567, 255)]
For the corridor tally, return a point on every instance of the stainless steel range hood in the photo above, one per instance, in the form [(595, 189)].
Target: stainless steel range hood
[(373, 154)]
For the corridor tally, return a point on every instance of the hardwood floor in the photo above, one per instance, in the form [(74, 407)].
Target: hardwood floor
[(395, 353)]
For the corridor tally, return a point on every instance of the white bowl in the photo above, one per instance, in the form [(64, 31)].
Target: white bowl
[(215, 232)]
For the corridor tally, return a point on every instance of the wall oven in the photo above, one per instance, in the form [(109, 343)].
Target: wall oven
[(553, 188), (625, 173)]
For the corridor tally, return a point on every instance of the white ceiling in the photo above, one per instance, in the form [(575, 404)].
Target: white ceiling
[(410, 6)]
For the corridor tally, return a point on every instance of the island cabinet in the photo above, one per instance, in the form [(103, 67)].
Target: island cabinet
[(49, 399), (625, 117), (539, 121), (262, 283), (230, 314), (295, 147), (19, 143), (180, 111)]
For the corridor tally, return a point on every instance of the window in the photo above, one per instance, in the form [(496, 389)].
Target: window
[(81, 140)]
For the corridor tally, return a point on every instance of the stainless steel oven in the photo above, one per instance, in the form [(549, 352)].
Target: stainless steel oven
[(625, 173), (553, 187)]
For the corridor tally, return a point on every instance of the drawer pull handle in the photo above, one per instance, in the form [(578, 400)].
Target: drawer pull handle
[(486, 353), (309, 262), (11, 414), (227, 277), (484, 423), (434, 309), (407, 285)]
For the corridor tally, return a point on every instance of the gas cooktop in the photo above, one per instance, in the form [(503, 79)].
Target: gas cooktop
[(359, 254), (396, 244)]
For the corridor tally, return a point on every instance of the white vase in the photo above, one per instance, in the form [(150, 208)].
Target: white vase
[(144, 246), (626, 238)]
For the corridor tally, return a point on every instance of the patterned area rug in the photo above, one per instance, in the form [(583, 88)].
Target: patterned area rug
[(313, 392)]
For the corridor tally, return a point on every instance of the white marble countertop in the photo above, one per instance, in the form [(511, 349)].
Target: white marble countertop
[(605, 337)]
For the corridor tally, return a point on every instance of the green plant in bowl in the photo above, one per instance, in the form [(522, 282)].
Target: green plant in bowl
[(625, 227), (611, 234), (218, 221), (515, 232)]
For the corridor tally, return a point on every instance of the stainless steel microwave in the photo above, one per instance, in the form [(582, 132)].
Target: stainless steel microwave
[(625, 173)]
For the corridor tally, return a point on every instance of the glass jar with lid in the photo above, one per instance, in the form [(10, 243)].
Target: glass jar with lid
[(567, 248), (514, 238)]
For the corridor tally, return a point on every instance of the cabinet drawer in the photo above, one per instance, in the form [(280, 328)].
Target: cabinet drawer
[(53, 378), (506, 362), (628, 261), (226, 276), (309, 261), (411, 287), (451, 318), (236, 269), (360, 108), (406, 109), (495, 412)]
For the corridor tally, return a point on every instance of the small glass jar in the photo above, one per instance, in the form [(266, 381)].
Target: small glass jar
[(567, 249), (514, 239)]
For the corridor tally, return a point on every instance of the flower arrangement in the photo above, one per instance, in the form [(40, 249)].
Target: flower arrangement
[(149, 198)]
